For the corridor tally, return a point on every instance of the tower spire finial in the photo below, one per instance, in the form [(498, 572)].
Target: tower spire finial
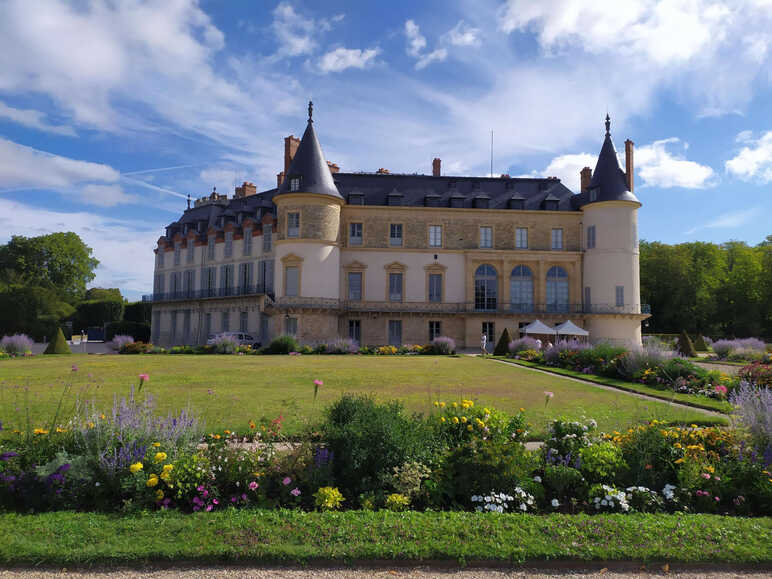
[(310, 111), (608, 125)]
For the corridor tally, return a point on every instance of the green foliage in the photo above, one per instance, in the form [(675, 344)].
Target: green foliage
[(328, 499), (397, 502), (282, 345), (685, 346), (409, 477), (564, 483), (699, 344), (31, 310), (136, 348), (58, 345), (92, 313), (103, 294), (369, 439), (601, 462), (502, 346), (138, 312), (140, 331)]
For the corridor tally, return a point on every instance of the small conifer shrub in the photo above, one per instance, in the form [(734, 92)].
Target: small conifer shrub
[(684, 346), (58, 345), (502, 346)]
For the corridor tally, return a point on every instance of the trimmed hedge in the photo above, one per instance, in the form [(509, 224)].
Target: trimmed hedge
[(58, 345)]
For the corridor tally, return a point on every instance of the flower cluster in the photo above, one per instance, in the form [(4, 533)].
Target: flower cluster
[(607, 498), (463, 421)]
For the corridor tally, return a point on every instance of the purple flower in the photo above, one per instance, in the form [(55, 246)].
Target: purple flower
[(208, 508), (295, 492), (287, 480), (8, 455)]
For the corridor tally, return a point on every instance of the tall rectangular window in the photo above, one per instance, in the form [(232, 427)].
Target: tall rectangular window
[(486, 237), (188, 282), (207, 326), (521, 238), (265, 275), (228, 243), (395, 333), (395, 235), (191, 251), (177, 252), (435, 236), (293, 224), (226, 321), (210, 248), (247, 245), (395, 287), (591, 237), (244, 322), (160, 256), (291, 326), (158, 286), (295, 184), (557, 239), (173, 337), (291, 277), (355, 330), (355, 285), (435, 330), (267, 237), (186, 326), (587, 300), (435, 287), (355, 234), (620, 294)]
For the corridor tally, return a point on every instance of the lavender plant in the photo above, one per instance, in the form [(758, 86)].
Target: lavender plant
[(119, 342), (341, 346), (636, 360), (524, 343), (16, 345), (746, 348), (443, 345), (552, 354), (753, 409), (225, 345)]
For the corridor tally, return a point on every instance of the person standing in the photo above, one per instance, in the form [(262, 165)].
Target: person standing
[(538, 344), (483, 343)]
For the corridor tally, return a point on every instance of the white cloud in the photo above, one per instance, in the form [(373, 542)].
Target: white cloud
[(744, 136), (34, 120), (658, 167), (463, 34), (105, 195), (111, 239), (294, 32), (753, 161), (342, 58), (416, 43), (25, 167), (729, 220), (566, 168)]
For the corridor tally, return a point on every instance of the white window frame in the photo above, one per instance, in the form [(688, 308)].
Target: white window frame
[(394, 296), (349, 290), (267, 237), (293, 229), (247, 245), (557, 238), (521, 238), (291, 326), (355, 239), (591, 237), (211, 248), (395, 241), (228, 244), (294, 184), (486, 237), (177, 252), (435, 329), (435, 276), (294, 270), (435, 236)]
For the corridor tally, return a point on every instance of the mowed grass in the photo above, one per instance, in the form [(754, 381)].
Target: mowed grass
[(228, 391)]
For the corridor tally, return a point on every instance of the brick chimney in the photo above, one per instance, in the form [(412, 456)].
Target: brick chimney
[(333, 167), (436, 167), (382, 171), (585, 175), (246, 190), (291, 144), (629, 164), (279, 179)]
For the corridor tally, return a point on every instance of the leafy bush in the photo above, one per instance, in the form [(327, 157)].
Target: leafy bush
[(564, 483), (140, 331), (753, 408), (756, 374), (566, 438), (282, 345), (328, 499), (368, 440), (397, 502), (524, 343), (136, 348), (461, 422), (118, 342), (601, 462), (685, 346), (531, 356), (443, 346), (225, 345), (16, 345), (58, 345), (502, 346)]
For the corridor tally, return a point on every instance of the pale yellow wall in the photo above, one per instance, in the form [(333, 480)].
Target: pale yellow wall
[(617, 330), (318, 270)]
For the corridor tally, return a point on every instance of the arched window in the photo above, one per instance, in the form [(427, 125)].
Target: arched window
[(485, 279), (557, 289), (521, 289)]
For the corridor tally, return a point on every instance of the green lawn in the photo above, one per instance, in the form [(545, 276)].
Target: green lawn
[(228, 391), (86, 539)]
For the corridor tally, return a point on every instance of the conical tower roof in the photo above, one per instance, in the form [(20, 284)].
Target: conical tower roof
[(309, 165), (609, 182)]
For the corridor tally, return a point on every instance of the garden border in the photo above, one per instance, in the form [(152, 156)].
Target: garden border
[(631, 391)]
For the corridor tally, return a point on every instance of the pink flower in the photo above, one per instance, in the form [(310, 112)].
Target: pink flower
[(74, 368), (215, 501), (208, 508), (318, 383), (549, 394), (295, 492), (253, 485), (717, 499), (287, 480), (705, 475), (721, 389), (144, 377)]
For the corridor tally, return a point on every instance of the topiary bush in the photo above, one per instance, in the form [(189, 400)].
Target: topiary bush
[(699, 344), (685, 346), (58, 345), (502, 346), (282, 345)]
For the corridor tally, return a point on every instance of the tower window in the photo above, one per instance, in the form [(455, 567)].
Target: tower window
[(295, 184), (486, 237), (591, 237), (521, 238), (620, 295), (435, 236), (293, 224)]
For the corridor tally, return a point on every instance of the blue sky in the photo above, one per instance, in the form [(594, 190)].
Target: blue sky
[(111, 112)]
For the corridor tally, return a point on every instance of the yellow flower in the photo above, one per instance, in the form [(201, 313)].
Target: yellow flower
[(60, 430), (522, 410), (455, 420), (90, 424), (160, 456), (168, 467), (102, 416), (40, 431), (679, 461), (469, 427), (156, 444), (455, 405), (677, 445), (227, 432), (442, 419), (442, 405), (463, 419), (710, 469), (136, 467), (437, 404), (152, 481), (159, 494)]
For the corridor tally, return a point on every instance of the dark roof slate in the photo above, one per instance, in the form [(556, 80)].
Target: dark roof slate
[(309, 164)]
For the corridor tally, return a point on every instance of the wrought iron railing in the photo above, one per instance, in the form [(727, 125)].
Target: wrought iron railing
[(221, 292)]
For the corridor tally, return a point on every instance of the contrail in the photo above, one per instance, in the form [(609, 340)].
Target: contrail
[(149, 186), (157, 170)]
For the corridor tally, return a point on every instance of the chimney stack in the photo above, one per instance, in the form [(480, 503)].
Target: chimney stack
[(246, 190), (333, 167), (436, 167), (585, 176), (629, 164), (279, 179), (382, 171), (291, 144)]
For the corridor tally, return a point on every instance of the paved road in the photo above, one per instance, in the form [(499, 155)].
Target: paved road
[(239, 572)]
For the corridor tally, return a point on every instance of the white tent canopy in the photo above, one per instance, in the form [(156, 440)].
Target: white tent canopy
[(538, 327), (568, 328)]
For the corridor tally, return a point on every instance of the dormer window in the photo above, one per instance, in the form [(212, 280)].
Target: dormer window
[(294, 184), (593, 195)]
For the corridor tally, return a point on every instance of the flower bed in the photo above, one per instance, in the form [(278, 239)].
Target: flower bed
[(367, 455)]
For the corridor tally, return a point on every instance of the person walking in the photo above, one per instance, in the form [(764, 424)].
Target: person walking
[(483, 343)]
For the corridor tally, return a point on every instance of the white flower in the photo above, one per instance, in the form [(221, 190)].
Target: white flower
[(523, 507), (555, 503), (478, 509), (537, 479), (604, 502)]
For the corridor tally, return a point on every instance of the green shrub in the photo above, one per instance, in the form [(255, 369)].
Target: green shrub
[(368, 440), (397, 502), (139, 331), (564, 483), (601, 462), (282, 345), (58, 345), (328, 499), (502, 346), (699, 344), (685, 346), (136, 348)]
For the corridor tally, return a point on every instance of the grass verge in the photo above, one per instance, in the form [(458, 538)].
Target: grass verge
[(86, 539), (685, 399)]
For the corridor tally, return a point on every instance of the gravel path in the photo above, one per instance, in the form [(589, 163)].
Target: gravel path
[(380, 573), (617, 390), (729, 369)]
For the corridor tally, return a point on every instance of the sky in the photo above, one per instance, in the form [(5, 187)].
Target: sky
[(112, 112)]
